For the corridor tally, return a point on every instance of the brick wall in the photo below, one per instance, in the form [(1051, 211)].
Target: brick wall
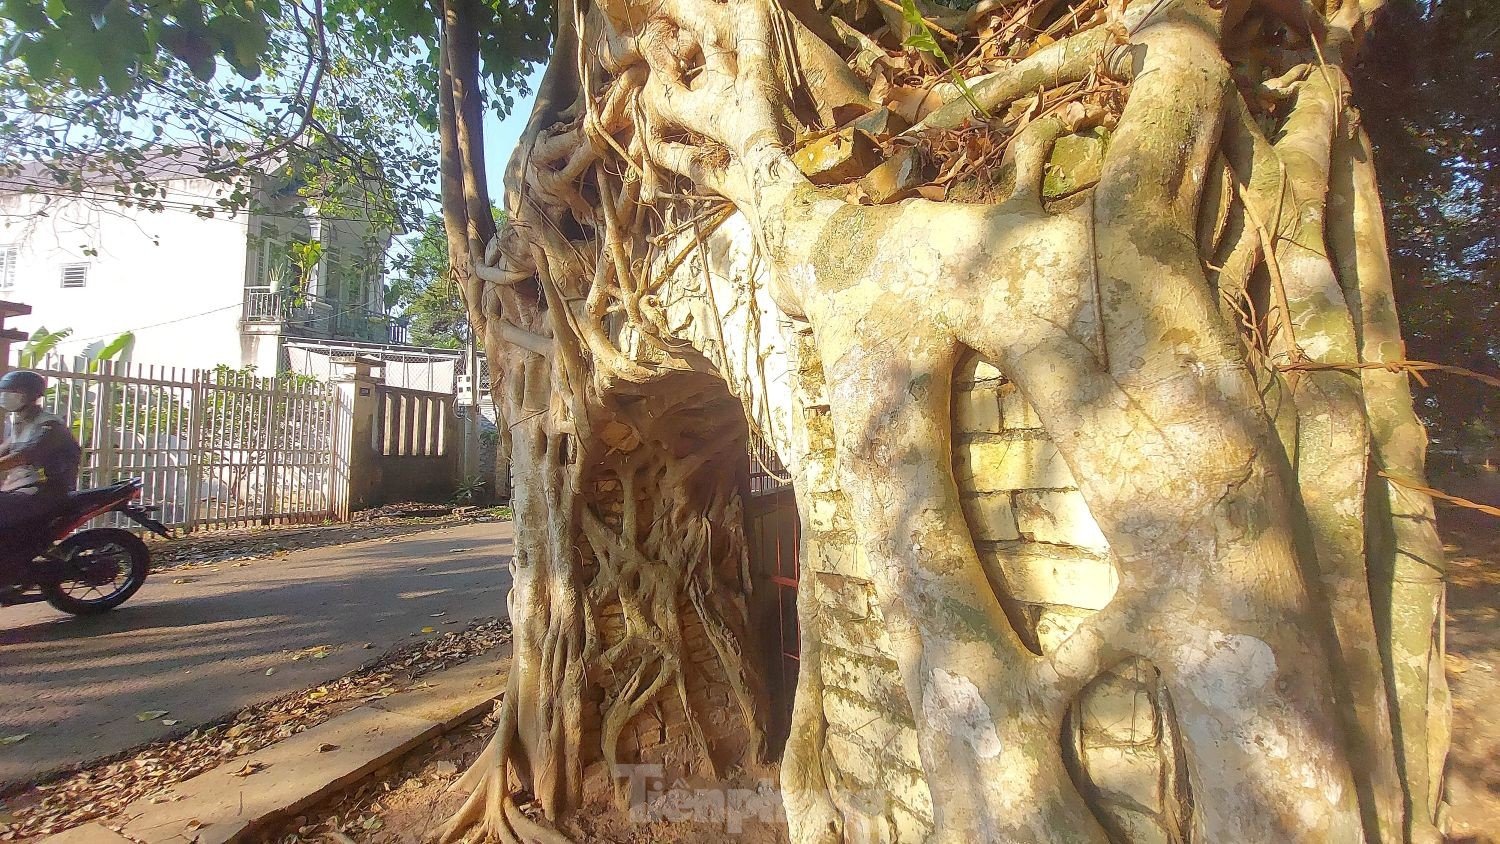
[(1034, 533), (661, 734)]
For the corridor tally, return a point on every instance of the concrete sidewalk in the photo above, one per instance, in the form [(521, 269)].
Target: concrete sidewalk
[(240, 799)]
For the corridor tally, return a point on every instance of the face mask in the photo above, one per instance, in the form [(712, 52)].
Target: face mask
[(10, 402)]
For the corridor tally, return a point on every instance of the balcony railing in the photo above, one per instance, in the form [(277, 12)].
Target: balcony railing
[(262, 306), (318, 317)]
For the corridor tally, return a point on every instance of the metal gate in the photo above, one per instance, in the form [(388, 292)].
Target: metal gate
[(265, 450), (773, 531)]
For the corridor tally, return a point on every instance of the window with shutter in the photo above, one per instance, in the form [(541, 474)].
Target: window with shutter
[(258, 265), (75, 275), (9, 255)]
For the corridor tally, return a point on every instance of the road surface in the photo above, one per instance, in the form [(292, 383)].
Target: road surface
[(200, 650)]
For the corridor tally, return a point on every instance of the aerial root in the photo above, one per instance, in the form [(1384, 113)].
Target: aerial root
[(490, 813), (1069, 60)]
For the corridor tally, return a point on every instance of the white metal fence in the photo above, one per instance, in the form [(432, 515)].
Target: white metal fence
[(215, 448), (265, 449)]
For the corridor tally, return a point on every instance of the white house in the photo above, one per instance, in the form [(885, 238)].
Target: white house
[(196, 290)]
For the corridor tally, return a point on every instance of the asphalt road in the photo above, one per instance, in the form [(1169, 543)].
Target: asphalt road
[(200, 649)]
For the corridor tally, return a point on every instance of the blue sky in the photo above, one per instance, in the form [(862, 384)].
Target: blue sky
[(500, 136)]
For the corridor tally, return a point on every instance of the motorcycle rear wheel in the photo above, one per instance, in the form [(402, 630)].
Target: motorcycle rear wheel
[(88, 559)]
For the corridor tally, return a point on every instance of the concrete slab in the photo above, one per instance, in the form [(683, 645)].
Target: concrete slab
[(457, 694), (89, 833), (235, 800)]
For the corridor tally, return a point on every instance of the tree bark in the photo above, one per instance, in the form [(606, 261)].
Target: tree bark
[(676, 263)]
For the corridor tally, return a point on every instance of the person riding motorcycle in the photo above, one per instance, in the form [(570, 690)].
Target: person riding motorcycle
[(39, 456)]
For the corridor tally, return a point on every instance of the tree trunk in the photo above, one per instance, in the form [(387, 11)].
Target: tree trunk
[(1157, 222)]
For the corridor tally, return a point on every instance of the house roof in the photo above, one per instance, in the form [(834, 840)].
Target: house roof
[(164, 165), (109, 181)]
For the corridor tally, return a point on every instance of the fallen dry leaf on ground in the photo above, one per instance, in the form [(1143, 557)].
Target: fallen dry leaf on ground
[(251, 768), (239, 548), (390, 798), (103, 790), (316, 652)]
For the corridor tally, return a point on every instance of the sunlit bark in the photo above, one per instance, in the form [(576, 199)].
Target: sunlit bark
[(1288, 596)]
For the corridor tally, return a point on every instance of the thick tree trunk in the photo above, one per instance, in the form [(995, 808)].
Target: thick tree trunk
[(680, 263), (467, 218)]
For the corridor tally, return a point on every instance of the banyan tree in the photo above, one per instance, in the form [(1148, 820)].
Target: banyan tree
[(1068, 323)]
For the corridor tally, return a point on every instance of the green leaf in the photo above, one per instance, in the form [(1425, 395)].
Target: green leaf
[(42, 342), (192, 47), (115, 347), (116, 63), (41, 58), (921, 37), (306, 254), (242, 41), (91, 9), (79, 58), (27, 16), (922, 40)]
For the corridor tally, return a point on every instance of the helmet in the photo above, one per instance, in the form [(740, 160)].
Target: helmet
[(29, 384)]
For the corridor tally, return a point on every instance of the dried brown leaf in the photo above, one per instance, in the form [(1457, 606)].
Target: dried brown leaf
[(250, 769)]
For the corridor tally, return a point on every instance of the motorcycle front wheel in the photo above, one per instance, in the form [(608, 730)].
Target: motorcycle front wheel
[(98, 570)]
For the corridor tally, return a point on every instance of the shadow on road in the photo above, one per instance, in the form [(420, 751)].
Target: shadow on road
[(219, 641)]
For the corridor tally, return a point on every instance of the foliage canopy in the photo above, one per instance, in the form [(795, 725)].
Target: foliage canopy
[(347, 91)]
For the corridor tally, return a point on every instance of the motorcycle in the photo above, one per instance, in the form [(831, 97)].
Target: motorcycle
[(84, 573)]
